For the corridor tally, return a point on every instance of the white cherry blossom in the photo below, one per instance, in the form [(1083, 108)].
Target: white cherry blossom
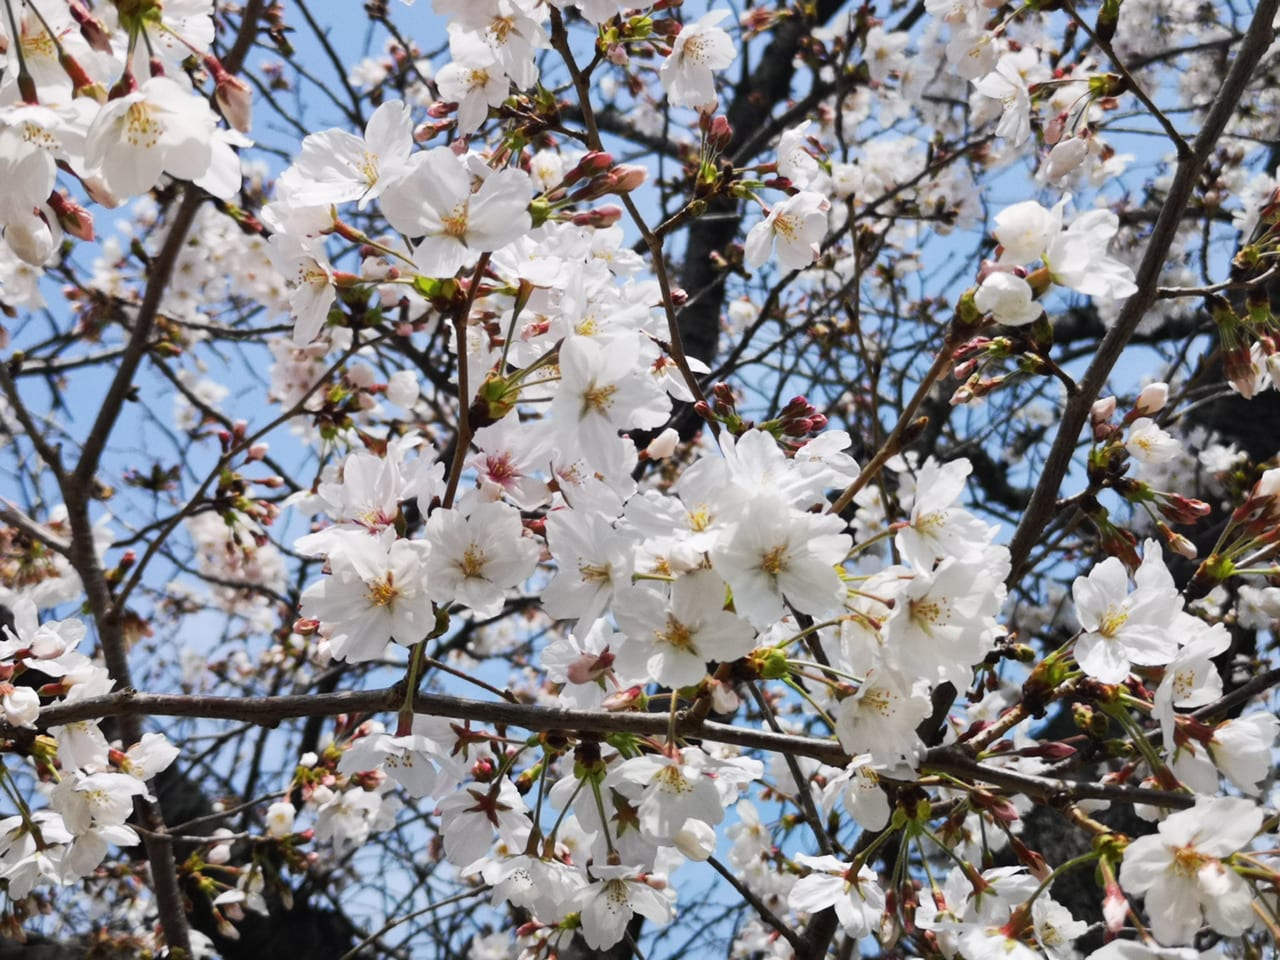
[(701, 48), (1181, 873), (794, 228), (337, 167), (159, 129), (1122, 628)]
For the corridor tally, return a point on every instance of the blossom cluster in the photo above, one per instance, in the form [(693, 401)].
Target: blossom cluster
[(89, 784)]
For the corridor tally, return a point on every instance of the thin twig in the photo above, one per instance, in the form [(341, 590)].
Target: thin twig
[(747, 894)]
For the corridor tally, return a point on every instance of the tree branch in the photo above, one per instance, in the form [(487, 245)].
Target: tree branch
[(272, 710)]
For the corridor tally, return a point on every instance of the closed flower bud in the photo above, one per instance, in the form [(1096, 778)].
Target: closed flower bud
[(235, 101), (1152, 399), (663, 445)]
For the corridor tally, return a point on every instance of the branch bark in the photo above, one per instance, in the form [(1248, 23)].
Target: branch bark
[(953, 760)]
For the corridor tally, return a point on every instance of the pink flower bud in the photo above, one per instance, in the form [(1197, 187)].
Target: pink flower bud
[(626, 177), (590, 667), (1152, 399), (424, 132), (91, 28), (663, 445), (623, 700), (1102, 410), (1054, 129), (592, 165), (719, 134), (235, 100), (72, 217), (1115, 908), (598, 217)]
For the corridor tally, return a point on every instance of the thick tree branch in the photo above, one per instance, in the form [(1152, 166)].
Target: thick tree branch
[(273, 710)]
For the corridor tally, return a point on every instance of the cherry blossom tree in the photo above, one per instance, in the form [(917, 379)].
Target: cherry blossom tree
[(562, 480)]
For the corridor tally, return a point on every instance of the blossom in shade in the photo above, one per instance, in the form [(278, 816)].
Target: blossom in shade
[(606, 907), (1180, 870), (1120, 627)]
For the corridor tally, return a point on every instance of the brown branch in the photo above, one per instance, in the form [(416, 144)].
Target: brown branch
[(1042, 506), (11, 515), (51, 455), (581, 85), (159, 271), (1131, 83), (108, 615), (952, 760)]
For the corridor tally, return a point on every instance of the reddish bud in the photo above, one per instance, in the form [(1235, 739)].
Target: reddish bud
[(92, 29), (593, 164), (1183, 510), (626, 177), (623, 700), (1055, 128), (72, 217), (235, 100), (590, 667), (605, 216)]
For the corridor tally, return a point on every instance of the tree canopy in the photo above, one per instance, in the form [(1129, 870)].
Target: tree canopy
[(515, 478)]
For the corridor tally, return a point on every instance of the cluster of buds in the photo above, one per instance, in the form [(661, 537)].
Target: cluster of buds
[(232, 494), (716, 132), (793, 426), (1252, 536), (1250, 343), (596, 176), (978, 358), (1110, 459), (798, 420), (723, 409), (972, 360), (1151, 400)]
